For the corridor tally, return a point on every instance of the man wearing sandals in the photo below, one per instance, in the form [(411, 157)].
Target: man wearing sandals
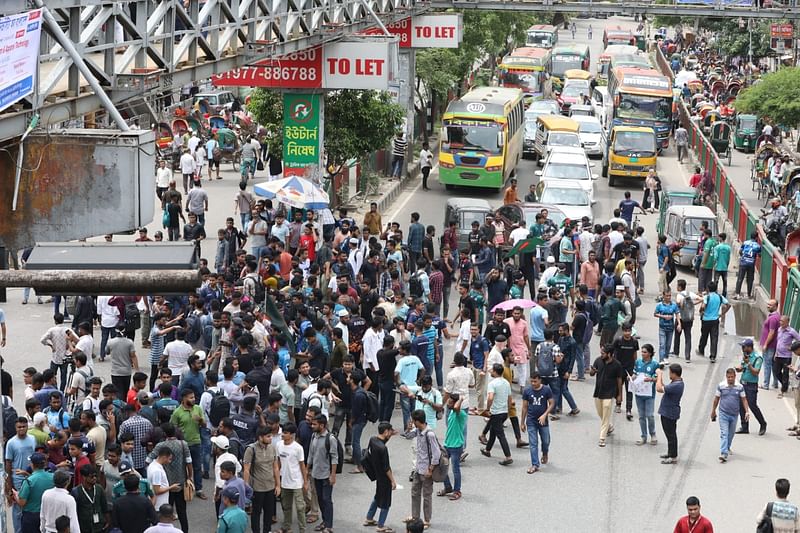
[(428, 455), (454, 445), (384, 478), (607, 388), (537, 403)]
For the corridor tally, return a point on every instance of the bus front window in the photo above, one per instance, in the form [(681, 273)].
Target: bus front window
[(561, 64), (527, 82), (543, 39), (478, 136), (644, 107)]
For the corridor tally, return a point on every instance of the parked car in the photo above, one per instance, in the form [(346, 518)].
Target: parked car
[(571, 94), (464, 211), (581, 110), (569, 163), (525, 213), (217, 101), (593, 138), (567, 195)]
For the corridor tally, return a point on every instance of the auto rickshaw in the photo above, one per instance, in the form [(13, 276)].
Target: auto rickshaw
[(195, 125), (683, 222), (746, 131), (671, 196), (229, 146), (180, 126), (216, 122), (577, 74), (759, 168), (720, 138), (464, 211)]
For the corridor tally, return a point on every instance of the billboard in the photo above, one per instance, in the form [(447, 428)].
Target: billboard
[(19, 55), (301, 132), (426, 31)]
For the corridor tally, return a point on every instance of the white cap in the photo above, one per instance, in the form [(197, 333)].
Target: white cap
[(342, 312), (551, 259), (201, 354), (221, 442), (38, 418)]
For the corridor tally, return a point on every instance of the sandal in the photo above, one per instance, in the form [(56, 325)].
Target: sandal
[(533, 469), (455, 496), (444, 492), (385, 529), (370, 523), (311, 519), (320, 527)]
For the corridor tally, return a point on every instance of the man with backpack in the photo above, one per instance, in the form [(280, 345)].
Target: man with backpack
[(261, 472), (780, 514), (358, 418), (548, 357), (324, 462), (608, 317), (686, 301), (582, 329), (712, 310)]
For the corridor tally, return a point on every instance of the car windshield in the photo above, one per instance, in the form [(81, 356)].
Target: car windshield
[(747, 124), (574, 90), (475, 135), (526, 82), (540, 38), (590, 127), (563, 139), (644, 107), (468, 217), (566, 171), (641, 143), (556, 217), (562, 63), (691, 227), (542, 108), (559, 196)]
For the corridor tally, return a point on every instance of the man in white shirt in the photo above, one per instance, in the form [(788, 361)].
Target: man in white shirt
[(199, 162), (177, 354), (58, 338), (425, 164), (549, 272), (615, 235), (163, 175), (197, 202), (519, 233), (194, 140), (85, 343), (157, 477), (57, 502), (221, 447), (187, 165), (109, 319), (586, 239), (372, 342)]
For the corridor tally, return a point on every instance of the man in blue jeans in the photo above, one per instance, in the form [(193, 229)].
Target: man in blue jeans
[(537, 404), (406, 373), (666, 312), (358, 418), (728, 397)]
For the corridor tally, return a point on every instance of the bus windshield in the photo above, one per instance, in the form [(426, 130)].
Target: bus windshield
[(540, 38), (475, 135), (634, 106), (628, 143), (563, 63), (525, 81)]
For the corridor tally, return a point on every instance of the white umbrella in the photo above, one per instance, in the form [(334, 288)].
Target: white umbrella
[(294, 191)]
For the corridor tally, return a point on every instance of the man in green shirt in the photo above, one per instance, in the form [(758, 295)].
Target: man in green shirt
[(125, 470), (454, 444), (707, 263), (189, 418), (750, 368), (29, 497), (233, 519), (563, 281), (721, 256), (93, 511)]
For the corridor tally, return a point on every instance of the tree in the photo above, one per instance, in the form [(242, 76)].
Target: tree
[(776, 98), (357, 123)]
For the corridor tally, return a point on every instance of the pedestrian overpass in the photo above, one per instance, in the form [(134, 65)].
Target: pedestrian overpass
[(109, 54)]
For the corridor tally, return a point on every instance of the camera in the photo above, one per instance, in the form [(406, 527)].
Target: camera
[(69, 359)]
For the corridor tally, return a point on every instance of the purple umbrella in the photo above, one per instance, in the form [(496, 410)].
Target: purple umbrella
[(508, 305)]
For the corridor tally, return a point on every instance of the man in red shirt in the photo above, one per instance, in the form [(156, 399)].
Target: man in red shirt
[(693, 522), (308, 241)]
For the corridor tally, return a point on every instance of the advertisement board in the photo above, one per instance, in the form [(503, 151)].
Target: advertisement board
[(358, 65), (426, 31), (19, 55), (301, 132), (298, 70)]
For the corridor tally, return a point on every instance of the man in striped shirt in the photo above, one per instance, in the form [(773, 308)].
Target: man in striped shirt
[(398, 154)]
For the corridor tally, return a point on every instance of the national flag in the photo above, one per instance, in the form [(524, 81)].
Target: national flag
[(525, 246)]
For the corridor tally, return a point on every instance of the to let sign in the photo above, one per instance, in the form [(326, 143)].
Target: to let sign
[(356, 65), (301, 132), (436, 31)]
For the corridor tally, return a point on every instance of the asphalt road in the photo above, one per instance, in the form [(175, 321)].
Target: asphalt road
[(620, 488)]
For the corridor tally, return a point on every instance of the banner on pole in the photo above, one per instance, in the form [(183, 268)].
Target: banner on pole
[(19, 55), (301, 132)]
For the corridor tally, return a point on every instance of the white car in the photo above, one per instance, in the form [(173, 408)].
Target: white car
[(602, 105), (569, 163), (593, 138), (568, 195)]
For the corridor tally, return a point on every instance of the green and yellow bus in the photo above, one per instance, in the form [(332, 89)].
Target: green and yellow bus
[(541, 36), (481, 138), (523, 69), (566, 58)]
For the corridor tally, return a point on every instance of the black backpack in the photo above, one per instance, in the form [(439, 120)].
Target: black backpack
[(133, 320), (10, 418), (373, 407), (339, 449), (194, 328), (415, 286), (218, 408), (259, 292)]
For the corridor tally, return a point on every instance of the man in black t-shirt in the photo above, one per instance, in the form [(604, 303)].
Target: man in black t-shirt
[(342, 390), (387, 361), (497, 327), (607, 388), (315, 353), (465, 302), (625, 350)]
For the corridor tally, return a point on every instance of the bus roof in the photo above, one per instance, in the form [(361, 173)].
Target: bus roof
[(570, 49), (630, 60), (529, 51), (633, 129), (558, 123), (489, 101), (543, 27), (526, 58), (617, 30), (614, 49), (643, 81)]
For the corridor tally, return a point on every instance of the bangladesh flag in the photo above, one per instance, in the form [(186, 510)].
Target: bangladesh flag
[(525, 246)]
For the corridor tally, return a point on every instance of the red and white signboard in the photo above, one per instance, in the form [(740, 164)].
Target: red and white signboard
[(359, 65), (426, 31), (436, 31), (299, 70), (362, 64)]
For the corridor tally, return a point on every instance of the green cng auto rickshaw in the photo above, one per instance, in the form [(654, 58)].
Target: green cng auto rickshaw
[(746, 132), (671, 196)]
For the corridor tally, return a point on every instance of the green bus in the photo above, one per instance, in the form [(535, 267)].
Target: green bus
[(481, 138)]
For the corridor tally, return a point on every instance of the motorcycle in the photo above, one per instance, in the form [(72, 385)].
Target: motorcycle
[(776, 228)]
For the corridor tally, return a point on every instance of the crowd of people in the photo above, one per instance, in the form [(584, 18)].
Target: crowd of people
[(260, 386)]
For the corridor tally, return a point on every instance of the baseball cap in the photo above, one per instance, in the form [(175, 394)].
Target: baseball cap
[(746, 342), (231, 493), (551, 259), (221, 442), (342, 312), (38, 458), (353, 240), (389, 294), (143, 396), (620, 287), (125, 468), (201, 354)]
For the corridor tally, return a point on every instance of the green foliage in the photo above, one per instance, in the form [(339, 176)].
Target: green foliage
[(357, 123), (735, 41), (775, 98)]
